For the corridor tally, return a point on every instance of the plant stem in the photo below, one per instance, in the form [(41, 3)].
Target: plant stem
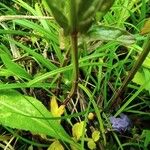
[(116, 100), (74, 50)]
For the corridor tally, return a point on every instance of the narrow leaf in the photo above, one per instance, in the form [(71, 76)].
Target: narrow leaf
[(14, 67), (40, 58), (147, 138)]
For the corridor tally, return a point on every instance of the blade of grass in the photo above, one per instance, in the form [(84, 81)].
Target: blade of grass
[(31, 25), (45, 62), (97, 111), (132, 98), (14, 67)]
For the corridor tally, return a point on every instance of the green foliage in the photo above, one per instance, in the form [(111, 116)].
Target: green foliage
[(34, 62), (57, 8), (79, 16), (108, 33), (13, 67), (142, 77), (26, 113), (146, 136)]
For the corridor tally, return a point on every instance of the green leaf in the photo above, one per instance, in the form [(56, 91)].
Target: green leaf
[(105, 5), (57, 8), (27, 113), (14, 67), (142, 77), (147, 75), (6, 73), (40, 58), (108, 33), (79, 17), (146, 136), (139, 78), (86, 11), (146, 62), (83, 12), (38, 29), (73, 15)]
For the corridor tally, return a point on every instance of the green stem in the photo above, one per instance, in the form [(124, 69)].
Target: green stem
[(74, 49), (116, 98)]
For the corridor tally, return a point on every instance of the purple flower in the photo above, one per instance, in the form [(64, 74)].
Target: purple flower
[(120, 124)]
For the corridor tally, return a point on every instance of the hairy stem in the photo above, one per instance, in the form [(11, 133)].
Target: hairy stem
[(74, 49), (116, 100)]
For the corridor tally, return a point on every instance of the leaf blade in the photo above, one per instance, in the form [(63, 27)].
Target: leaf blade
[(26, 113), (13, 67), (109, 33)]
